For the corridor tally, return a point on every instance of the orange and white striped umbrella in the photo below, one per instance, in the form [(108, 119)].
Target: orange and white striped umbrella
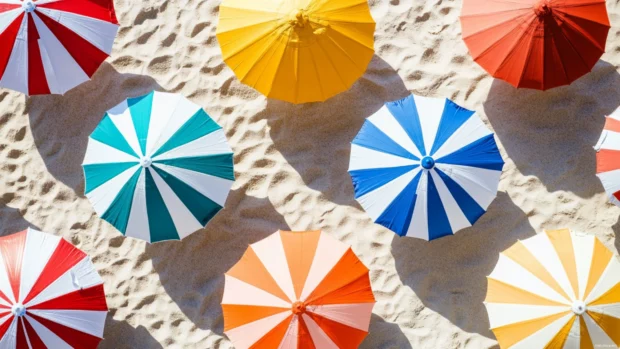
[(559, 289), (297, 290)]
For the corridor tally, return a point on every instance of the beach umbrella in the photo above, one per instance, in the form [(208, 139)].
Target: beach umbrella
[(558, 289), (51, 46), (297, 290), (538, 44), (158, 167), (51, 295), (425, 167), (297, 51), (608, 157)]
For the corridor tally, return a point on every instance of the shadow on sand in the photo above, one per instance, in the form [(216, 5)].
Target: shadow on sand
[(12, 221), (449, 274), (121, 335), (384, 335)]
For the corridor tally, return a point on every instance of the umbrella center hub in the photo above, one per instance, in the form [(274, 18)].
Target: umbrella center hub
[(28, 6), (299, 308), (579, 307), (18, 310), (543, 8), (428, 163), (146, 162), (300, 19)]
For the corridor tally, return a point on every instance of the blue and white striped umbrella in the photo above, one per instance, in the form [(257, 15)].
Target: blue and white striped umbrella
[(425, 167), (158, 167)]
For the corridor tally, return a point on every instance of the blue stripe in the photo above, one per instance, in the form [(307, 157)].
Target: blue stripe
[(161, 225), (365, 181), (97, 174), (199, 125), (218, 165), (118, 212), (468, 205), (140, 108), (397, 216), (482, 153), (372, 138), (453, 117), (107, 133), (438, 224), (406, 113)]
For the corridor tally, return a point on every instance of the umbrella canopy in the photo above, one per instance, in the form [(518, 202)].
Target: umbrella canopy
[(51, 295), (297, 290), (297, 51), (51, 46), (608, 157), (558, 289), (537, 44), (425, 167), (158, 167)]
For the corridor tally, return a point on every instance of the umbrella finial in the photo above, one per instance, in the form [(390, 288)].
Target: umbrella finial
[(428, 163), (300, 20), (543, 8), (579, 308), (299, 308), (18, 310), (28, 6)]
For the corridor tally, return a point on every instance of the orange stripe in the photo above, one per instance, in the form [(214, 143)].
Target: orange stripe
[(358, 291), (304, 340), (239, 315), (520, 254), (560, 339), (609, 324), (274, 337), (610, 297), (607, 160), (512, 334), (300, 249), (343, 336), (585, 341), (499, 292), (251, 270), (612, 124), (601, 256), (563, 244)]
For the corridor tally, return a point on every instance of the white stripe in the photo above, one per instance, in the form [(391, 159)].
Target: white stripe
[(61, 70), (16, 73), (612, 310), (49, 338), (91, 322), (184, 221), (355, 315), (215, 188), (328, 253), (164, 105), (319, 337), (9, 340), (363, 158), (583, 246), (512, 273), (237, 292), (212, 144), (81, 276), (598, 336), (544, 336), (430, 111), (38, 249), (122, 119), (456, 217), (102, 197), (472, 130), (100, 153), (8, 17), (377, 201), (506, 314), (418, 227), (601, 140), (97, 32), (138, 223), (612, 141), (610, 181), (481, 184), (573, 341), (609, 279), (270, 251), (243, 337), (290, 337), (385, 121), (5, 285), (184, 110), (615, 114)]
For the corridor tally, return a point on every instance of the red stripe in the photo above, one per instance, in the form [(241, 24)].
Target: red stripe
[(12, 250), (37, 81), (607, 160), (33, 337), (22, 343), (65, 257), (92, 298), (88, 56), (98, 9), (612, 124), (7, 7), (76, 339), (5, 326), (8, 38)]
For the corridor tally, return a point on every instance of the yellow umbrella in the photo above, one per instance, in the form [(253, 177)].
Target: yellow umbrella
[(297, 50)]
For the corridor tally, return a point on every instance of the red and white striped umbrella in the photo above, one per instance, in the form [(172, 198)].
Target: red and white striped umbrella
[(51, 46), (51, 295)]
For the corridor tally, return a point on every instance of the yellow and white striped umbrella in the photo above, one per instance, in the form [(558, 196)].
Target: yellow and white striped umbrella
[(559, 289)]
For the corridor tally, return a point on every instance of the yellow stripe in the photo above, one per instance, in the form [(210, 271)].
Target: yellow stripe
[(601, 256), (520, 254), (609, 324), (499, 292), (563, 244), (560, 339), (509, 335), (585, 341), (610, 297)]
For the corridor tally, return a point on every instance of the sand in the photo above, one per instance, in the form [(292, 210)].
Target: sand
[(291, 166)]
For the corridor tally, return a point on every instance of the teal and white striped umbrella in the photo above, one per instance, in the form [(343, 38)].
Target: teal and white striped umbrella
[(158, 167)]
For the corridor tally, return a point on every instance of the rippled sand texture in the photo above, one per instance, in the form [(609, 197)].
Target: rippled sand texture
[(291, 163)]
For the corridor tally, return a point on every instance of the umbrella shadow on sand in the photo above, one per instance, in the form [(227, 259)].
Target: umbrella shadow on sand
[(61, 125), (315, 138), (192, 272), (551, 134), (449, 274), (121, 335), (12, 221), (384, 335)]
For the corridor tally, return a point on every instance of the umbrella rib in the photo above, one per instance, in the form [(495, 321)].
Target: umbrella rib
[(331, 62), (495, 44), (316, 72), (529, 54), (569, 20), (573, 47), (492, 26)]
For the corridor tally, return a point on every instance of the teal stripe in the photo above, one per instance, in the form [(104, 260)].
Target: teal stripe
[(199, 205), (97, 174), (118, 212), (197, 126), (107, 133), (219, 165), (160, 222), (141, 108)]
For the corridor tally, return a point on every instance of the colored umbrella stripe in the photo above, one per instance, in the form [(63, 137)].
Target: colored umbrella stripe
[(608, 157)]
